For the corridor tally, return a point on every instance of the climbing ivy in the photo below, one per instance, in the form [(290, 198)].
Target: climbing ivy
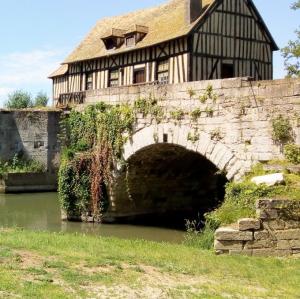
[(196, 114), (149, 107), (92, 144)]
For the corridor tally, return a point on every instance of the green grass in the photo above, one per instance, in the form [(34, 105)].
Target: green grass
[(51, 265), (240, 197), (20, 165)]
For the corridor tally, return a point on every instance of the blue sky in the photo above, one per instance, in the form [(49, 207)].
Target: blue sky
[(37, 35)]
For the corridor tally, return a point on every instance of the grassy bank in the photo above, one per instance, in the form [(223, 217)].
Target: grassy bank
[(240, 197), (47, 265)]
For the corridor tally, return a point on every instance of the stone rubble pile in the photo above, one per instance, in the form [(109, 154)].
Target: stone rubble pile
[(275, 232)]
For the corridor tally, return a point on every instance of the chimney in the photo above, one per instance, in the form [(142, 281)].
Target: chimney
[(193, 10)]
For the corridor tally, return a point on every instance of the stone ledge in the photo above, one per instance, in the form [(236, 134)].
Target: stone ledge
[(291, 234), (231, 234), (228, 245)]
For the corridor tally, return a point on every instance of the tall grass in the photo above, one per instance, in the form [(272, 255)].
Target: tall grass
[(20, 165), (202, 239)]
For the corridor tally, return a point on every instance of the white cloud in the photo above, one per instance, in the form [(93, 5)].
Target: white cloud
[(27, 70)]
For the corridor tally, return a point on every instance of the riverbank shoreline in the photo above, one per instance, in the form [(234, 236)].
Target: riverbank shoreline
[(59, 265)]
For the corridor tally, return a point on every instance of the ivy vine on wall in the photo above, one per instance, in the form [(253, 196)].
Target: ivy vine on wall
[(92, 144)]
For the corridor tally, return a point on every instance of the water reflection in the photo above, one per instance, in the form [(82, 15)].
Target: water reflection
[(40, 211)]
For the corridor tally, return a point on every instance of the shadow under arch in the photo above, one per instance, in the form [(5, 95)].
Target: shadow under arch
[(166, 184)]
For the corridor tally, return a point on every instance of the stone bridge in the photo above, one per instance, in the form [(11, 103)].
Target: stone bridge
[(211, 132)]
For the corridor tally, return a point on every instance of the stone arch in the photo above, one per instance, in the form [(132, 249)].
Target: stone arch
[(215, 151)]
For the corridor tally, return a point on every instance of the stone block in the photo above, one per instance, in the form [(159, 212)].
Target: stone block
[(296, 90), (228, 245), (291, 234), (294, 169), (267, 214), (269, 180), (231, 83), (280, 204), (288, 244), (292, 224), (296, 253), (249, 224), (271, 252), (263, 204), (276, 224), (246, 252), (219, 252), (262, 235), (231, 234), (295, 244), (283, 245), (259, 244)]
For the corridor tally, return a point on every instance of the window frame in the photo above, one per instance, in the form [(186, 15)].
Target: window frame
[(89, 81), (163, 71), (142, 69), (115, 80), (129, 37)]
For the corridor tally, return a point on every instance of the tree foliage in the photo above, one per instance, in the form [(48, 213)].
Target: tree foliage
[(41, 99), (19, 99), (291, 52)]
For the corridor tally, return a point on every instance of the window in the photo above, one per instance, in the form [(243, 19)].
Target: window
[(227, 70), (130, 41), (121, 77), (89, 81), (114, 78), (139, 76), (163, 71), (110, 44), (38, 144)]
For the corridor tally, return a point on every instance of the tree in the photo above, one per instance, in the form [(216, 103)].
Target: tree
[(291, 52), (19, 99), (41, 100)]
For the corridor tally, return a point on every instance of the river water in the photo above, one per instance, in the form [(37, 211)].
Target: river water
[(41, 212)]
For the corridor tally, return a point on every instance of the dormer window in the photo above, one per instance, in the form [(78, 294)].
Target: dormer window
[(110, 44), (130, 41), (114, 38), (135, 34)]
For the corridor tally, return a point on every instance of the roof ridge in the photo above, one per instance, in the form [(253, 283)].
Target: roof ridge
[(127, 14)]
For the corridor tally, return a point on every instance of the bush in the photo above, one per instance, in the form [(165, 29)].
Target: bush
[(20, 165), (282, 130), (41, 100), (203, 239), (19, 99), (240, 202), (292, 153)]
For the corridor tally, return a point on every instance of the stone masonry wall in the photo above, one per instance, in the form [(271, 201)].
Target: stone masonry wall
[(275, 232), (31, 132), (237, 117)]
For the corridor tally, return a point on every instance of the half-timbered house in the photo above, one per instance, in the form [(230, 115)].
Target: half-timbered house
[(180, 41)]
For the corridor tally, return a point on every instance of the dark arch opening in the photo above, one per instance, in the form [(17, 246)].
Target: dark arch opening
[(166, 184)]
